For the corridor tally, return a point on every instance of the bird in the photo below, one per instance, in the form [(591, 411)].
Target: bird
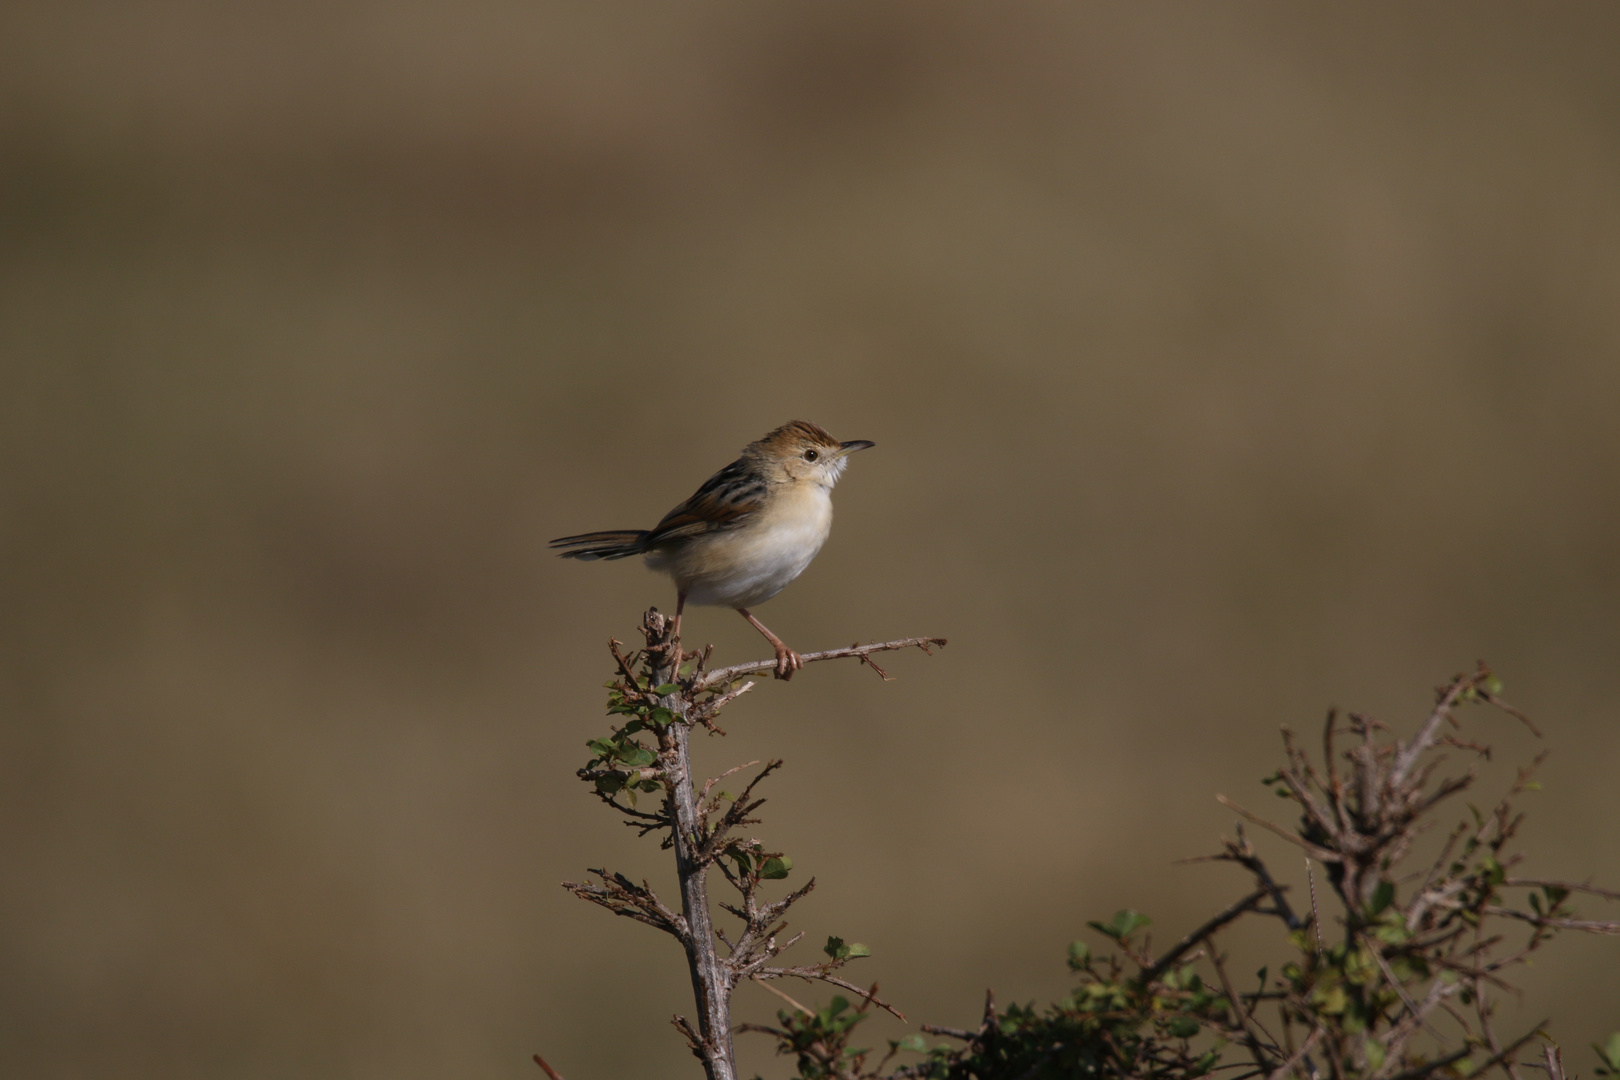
[(746, 533)]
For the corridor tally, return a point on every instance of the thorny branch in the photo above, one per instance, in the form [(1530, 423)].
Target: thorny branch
[(721, 676), (662, 693)]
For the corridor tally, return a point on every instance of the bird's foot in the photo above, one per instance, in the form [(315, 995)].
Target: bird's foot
[(787, 661)]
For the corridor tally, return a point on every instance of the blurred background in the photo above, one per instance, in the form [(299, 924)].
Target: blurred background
[(1225, 362)]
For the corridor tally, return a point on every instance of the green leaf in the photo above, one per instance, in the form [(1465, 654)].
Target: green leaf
[(635, 755), (1382, 897), (1374, 1051), (660, 716), (1610, 1051), (1392, 931), (1079, 955), (838, 950), (666, 689), (1183, 1027), (776, 868), (1330, 1000), (1127, 923), (912, 1042)]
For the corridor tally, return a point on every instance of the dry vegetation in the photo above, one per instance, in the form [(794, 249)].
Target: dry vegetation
[(1392, 972)]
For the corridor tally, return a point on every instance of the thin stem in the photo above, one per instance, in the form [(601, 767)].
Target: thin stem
[(720, 676)]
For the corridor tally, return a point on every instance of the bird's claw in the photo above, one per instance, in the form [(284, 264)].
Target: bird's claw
[(787, 662)]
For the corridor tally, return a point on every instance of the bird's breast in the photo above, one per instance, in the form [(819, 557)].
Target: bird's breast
[(750, 564)]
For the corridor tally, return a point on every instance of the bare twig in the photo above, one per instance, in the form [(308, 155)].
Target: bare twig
[(821, 973), (1293, 838), (720, 676), (1251, 1026), (1298, 1056), (1567, 886), (1407, 755), (1162, 964), (763, 985), (1590, 926)]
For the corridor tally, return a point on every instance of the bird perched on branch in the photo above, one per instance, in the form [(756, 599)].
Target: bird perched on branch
[(748, 531)]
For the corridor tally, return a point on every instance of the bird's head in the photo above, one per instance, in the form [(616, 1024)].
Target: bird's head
[(800, 451)]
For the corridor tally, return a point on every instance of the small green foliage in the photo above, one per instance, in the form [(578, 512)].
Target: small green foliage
[(1383, 896), (776, 868), (839, 950), (1609, 1054), (820, 1040), (1182, 1027), (1374, 1052), (1113, 1024), (1124, 924)]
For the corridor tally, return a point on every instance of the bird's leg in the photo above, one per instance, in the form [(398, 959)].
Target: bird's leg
[(787, 661)]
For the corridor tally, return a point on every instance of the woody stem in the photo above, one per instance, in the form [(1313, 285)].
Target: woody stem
[(712, 979)]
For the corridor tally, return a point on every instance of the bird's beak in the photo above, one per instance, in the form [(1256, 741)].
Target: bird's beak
[(848, 448)]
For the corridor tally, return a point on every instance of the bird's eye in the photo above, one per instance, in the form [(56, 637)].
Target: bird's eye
[(810, 455)]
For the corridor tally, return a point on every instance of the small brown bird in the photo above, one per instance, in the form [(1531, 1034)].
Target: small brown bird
[(749, 530)]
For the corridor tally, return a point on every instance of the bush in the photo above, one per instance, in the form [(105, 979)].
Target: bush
[(1394, 978)]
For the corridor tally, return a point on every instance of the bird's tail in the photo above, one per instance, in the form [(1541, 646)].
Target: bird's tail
[(613, 544)]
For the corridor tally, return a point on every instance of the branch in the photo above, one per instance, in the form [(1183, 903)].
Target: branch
[(1588, 925), (1251, 1027), (1567, 886), (809, 974), (723, 675), (1320, 853), (624, 897), (1299, 1055), (1408, 754), (1187, 943)]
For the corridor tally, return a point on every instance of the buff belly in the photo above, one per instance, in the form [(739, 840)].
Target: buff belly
[(745, 566)]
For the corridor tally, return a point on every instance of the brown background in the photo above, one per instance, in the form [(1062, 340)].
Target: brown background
[(1225, 362)]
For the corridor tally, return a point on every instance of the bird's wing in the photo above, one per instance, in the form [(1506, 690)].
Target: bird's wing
[(725, 501)]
